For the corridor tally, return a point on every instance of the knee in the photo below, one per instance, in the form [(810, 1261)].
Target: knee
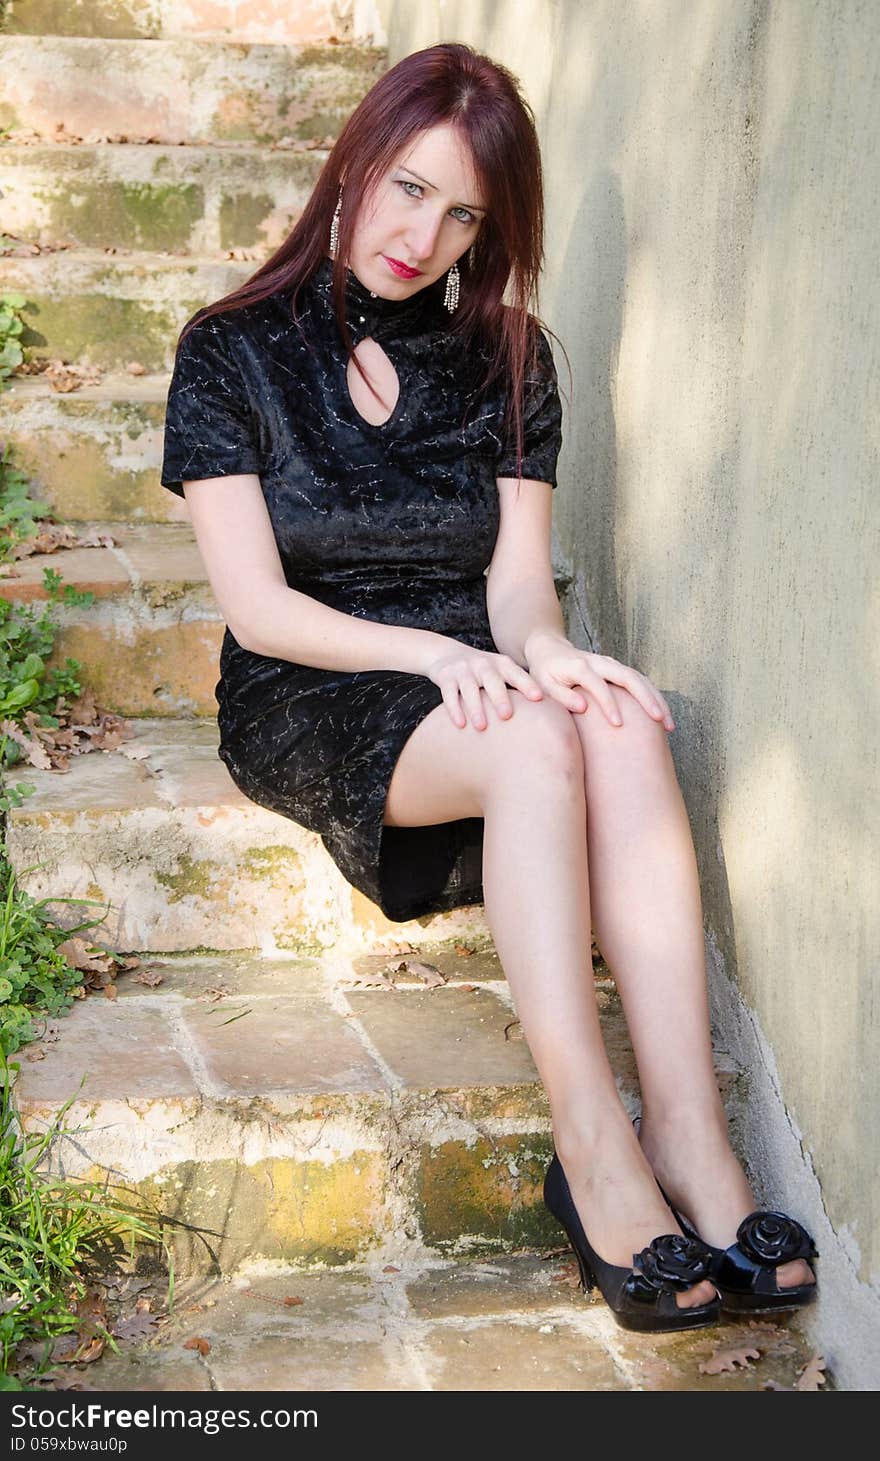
[(541, 734), (640, 734)]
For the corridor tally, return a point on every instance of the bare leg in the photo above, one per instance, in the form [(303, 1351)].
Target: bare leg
[(525, 777), (648, 921)]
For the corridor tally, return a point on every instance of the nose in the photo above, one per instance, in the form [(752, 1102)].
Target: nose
[(422, 235)]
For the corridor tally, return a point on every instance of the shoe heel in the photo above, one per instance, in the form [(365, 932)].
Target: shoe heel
[(632, 1307), (588, 1277)]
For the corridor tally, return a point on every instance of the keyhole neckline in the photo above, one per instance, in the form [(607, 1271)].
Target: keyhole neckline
[(351, 375)]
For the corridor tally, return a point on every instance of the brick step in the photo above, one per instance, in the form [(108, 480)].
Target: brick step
[(94, 454), (514, 1322), (298, 1117), (181, 90), (199, 200), (150, 641), (272, 21), (111, 309), (178, 859)]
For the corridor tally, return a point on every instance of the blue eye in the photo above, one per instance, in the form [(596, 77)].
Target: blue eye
[(407, 184)]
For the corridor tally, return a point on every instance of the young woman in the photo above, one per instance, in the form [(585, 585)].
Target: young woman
[(360, 431)]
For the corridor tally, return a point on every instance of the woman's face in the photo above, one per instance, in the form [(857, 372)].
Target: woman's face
[(423, 215)]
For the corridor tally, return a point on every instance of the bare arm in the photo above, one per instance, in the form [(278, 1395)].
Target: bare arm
[(521, 596), (237, 543)]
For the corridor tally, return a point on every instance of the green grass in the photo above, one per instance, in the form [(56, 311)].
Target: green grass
[(53, 1232)]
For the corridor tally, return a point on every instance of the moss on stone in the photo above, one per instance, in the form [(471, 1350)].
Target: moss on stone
[(106, 329), (193, 880), (243, 218), (488, 1194), (319, 1214), (277, 859), (129, 215), (111, 19)]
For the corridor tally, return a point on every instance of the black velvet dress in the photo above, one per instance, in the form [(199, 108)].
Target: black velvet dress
[(394, 522)]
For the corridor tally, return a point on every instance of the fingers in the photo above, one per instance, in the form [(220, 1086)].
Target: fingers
[(463, 681), (651, 700), (638, 685)]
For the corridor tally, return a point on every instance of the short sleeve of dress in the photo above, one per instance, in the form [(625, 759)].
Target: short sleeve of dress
[(542, 423), (209, 430)]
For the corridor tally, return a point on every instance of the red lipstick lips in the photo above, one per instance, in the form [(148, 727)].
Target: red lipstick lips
[(401, 270)]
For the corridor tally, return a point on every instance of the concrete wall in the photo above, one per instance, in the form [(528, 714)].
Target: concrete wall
[(713, 214)]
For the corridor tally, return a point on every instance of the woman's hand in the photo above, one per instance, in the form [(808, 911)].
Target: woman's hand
[(574, 678), (462, 672)]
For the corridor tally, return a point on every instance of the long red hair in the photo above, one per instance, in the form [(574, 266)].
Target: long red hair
[(445, 84)]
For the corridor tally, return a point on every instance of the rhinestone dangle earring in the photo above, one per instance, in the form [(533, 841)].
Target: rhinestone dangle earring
[(453, 280), (334, 225)]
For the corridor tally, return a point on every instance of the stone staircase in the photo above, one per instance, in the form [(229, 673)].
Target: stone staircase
[(270, 1092)]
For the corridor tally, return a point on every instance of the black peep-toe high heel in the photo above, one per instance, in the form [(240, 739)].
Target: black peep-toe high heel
[(745, 1273), (644, 1300)]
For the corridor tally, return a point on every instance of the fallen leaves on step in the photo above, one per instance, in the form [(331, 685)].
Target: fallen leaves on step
[(50, 536), (810, 1377), (98, 966), (150, 977), (726, 1361), (64, 377), (213, 993), (136, 1326), (371, 981), (391, 947), (429, 974), (86, 1343), (82, 727)]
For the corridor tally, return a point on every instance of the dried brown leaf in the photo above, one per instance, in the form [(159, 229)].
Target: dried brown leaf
[(214, 992), (373, 981), (726, 1361), (812, 1375), (136, 1326), (393, 947), (150, 977), (84, 1351), (428, 973), (34, 753), (81, 955)]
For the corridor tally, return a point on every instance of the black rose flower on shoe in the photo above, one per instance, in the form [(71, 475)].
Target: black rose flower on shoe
[(674, 1261), (773, 1237)]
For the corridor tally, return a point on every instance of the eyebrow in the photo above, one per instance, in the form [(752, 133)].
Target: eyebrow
[(473, 206)]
